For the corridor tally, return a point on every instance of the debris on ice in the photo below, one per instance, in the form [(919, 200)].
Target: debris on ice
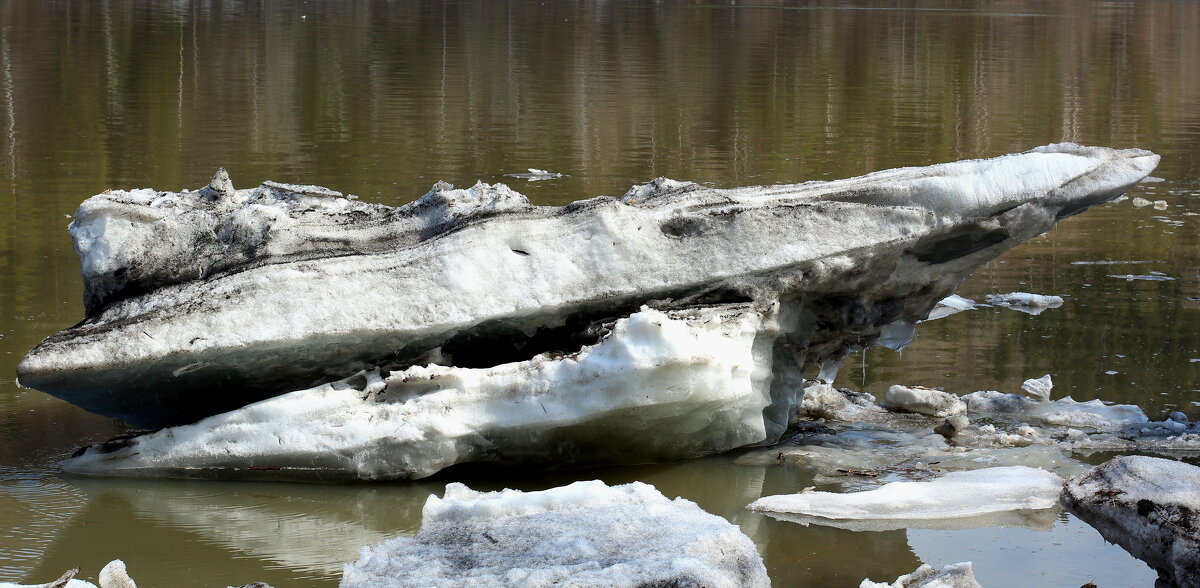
[(1025, 302), (1147, 505), (585, 534), (949, 496), (959, 575)]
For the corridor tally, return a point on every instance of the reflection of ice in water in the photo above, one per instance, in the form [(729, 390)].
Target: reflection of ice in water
[(314, 529), (33, 509), (1069, 553)]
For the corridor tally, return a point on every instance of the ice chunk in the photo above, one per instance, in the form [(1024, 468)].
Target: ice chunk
[(1038, 388), (659, 386), (959, 575), (1140, 202), (949, 496), (1025, 302), (924, 401), (823, 401), (112, 575), (267, 290), (1147, 505), (1093, 414), (583, 534)]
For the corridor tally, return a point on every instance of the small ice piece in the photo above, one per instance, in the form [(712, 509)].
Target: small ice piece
[(1092, 414), (585, 534), (1132, 277), (112, 575), (1038, 388), (1160, 205), (952, 304), (924, 401), (1111, 372), (1147, 505), (536, 175), (1025, 302), (1140, 202), (952, 495), (959, 575)]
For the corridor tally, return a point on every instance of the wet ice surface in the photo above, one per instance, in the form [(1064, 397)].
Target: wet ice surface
[(1150, 506), (952, 495), (536, 175), (1025, 302), (583, 534)]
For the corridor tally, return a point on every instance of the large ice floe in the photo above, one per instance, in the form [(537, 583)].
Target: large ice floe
[(300, 332), (1147, 505), (583, 534)]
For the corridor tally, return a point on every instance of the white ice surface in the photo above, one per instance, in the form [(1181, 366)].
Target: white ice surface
[(1038, 388), (951, 495), (959, 575), (952, 304), (660, 386), (922, 400), (1066, 412), (585, 534), (1147, 505)]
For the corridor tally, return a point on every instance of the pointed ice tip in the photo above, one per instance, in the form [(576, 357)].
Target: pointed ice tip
[(221, 183)]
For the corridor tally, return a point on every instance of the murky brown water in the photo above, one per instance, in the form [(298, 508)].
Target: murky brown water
[(382, 99)]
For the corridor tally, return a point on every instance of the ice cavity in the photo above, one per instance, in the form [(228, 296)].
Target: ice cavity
[(584, 534), (202, 302), (660, 385), (949, 496), (959, 575)]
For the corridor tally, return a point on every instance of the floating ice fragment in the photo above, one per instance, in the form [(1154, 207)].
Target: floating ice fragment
[(1147, 505), (1113, 262), (1038, 388), (585, 534), (536, 175), (1062, 412), (1025, 302), (952, 304), (1140, 202), (1160, 205), (959, 575), (1132, 277), (951, 495), (1111, 372)]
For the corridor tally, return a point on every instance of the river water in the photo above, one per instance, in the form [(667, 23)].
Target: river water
[(382, 99)]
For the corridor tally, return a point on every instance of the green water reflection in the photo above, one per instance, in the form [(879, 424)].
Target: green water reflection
[(382, 99)]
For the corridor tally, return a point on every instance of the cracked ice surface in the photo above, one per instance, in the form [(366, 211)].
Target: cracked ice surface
[(204, 302), (583, 534)]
